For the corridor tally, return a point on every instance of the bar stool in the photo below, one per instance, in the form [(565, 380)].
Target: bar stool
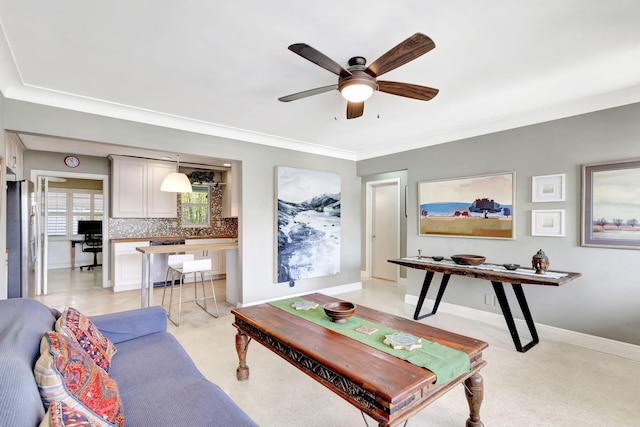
[(181, 265), (174, 266)]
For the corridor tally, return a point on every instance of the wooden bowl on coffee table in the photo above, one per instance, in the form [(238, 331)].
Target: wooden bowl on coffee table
[(339, 312)]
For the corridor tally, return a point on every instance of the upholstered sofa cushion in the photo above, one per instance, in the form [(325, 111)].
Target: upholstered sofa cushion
[(154, 369), (79, 327), (65, 372), (61, 415), (22, 324)]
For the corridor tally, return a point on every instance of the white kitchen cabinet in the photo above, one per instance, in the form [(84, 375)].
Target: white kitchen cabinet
[(136, 188), (160, 204), (14, 155), (126, 268)]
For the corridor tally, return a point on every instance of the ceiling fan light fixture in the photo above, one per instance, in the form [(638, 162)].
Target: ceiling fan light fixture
[(359, 86), (357, 92)]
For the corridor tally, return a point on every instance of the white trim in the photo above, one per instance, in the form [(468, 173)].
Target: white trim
[(334, 290), (591, 342), (105, 216)]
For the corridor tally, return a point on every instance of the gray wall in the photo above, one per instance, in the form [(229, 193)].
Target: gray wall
[(45, 160), (605, 300), (256, 228)]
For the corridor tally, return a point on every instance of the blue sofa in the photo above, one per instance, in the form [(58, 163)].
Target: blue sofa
[(158, 382)]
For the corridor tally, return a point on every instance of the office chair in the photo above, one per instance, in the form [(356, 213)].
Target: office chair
[(93, 245)]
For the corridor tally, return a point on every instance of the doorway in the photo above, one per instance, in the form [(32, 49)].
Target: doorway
[(58, 252), (383, 228)]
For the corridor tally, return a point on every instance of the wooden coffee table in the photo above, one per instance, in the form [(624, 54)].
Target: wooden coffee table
[(384, 387)]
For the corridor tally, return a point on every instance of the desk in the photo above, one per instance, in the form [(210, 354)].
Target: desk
[(73, 251), (146, 288), (496, 274), (384, 387)]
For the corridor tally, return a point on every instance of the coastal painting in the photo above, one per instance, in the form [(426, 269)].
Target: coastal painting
[(611, 204), (308, 224), (477, 206)]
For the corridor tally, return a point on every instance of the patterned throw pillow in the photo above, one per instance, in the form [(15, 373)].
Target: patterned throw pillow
[(74, 324), (66, 373), (61, 415)]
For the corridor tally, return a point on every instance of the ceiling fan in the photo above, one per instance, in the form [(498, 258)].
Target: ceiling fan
[(357, 82)]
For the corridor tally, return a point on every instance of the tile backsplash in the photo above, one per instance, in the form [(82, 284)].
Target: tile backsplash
[(121, 228)]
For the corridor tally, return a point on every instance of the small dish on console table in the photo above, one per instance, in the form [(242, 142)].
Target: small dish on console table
[(437, 258), (511, 266)]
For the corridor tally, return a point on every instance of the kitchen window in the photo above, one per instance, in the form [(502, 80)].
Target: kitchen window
[(65, 207), (195, 207)]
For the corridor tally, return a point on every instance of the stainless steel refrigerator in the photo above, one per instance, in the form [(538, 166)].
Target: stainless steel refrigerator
[(22, 239)]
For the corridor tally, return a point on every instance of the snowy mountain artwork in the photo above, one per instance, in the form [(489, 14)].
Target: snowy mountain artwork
[(308, 223)]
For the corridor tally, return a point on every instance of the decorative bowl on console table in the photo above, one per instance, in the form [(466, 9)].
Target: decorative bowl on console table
[(465, 259)]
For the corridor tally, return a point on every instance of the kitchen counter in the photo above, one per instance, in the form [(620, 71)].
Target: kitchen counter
[(173, 249), (126, 272), (149, 252), (168, 238)]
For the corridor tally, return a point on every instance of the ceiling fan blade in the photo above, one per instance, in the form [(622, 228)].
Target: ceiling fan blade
[(306, 93), (319, 58), (407, 90), (410, 49), (355, 109)]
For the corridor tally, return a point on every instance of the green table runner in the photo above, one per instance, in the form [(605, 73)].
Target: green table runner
[(443, 361)]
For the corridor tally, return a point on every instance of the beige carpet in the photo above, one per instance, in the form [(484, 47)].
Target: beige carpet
[(554, 384)]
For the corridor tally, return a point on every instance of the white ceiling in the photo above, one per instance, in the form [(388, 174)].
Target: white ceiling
[(219, 67)]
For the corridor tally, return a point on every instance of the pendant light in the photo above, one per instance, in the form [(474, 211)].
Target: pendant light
[(176, 182)]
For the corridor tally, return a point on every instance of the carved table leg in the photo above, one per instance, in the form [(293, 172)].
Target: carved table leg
[(242, 342), (474, 390)]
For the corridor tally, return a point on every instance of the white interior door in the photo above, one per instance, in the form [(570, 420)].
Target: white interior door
[(385, 229)]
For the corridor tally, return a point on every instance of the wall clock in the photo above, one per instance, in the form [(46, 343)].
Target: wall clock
[(72, 161)]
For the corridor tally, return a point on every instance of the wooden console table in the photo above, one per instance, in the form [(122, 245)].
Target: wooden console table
[(496, 274)]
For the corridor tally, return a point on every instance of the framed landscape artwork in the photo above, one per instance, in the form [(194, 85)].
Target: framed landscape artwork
[(611, 204), (549, 222), (477, 206), (308, 216), (547, 188)]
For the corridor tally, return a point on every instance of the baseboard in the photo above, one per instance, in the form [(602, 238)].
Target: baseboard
[(334, 290), (349, 287), (127, 287), (591, 342)]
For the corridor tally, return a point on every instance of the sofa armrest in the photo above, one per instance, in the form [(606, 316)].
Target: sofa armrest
[(127, 325)]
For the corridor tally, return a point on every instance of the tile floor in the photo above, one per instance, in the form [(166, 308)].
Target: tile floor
[(554, 384)]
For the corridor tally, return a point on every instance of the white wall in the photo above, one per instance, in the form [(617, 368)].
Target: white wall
[(604, 301), (59, 255), (256, 229)]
